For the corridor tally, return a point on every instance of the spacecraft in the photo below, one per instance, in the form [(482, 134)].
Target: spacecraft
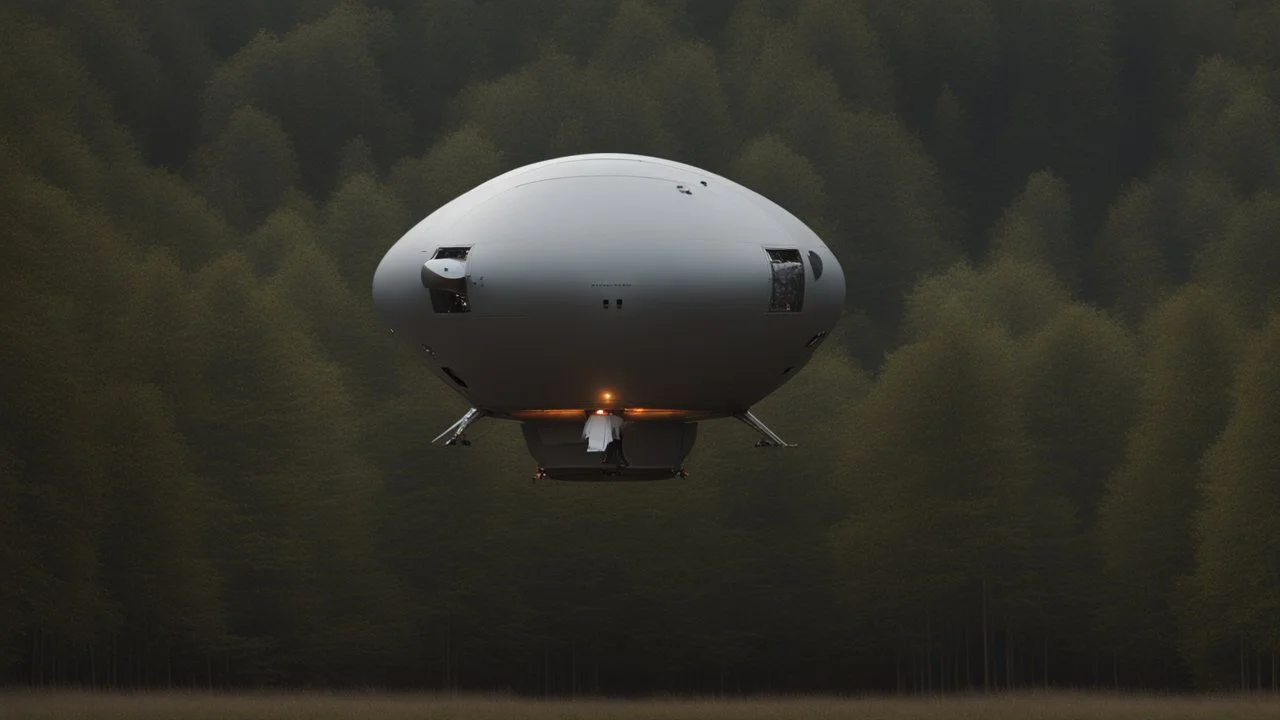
[(609, 303)]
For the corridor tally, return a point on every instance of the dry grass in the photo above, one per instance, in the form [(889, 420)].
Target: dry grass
[(298, 706)]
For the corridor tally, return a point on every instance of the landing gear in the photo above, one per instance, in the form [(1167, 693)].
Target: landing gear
[(456, 434), (768, 437)]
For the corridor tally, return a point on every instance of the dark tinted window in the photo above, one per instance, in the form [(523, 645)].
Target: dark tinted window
[(451, 253), (788, 281)]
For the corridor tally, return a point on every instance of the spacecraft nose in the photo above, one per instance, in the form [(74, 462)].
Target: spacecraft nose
[(391, 297)]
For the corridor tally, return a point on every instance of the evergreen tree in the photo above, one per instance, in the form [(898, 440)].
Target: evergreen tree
[(1233, 597), (776, 86), (1231, 130), (520, 113), (1132, 275), (1242, 265), (635, 30), (454, 165), (1037, 227), (841, 39), (1017, 296), (1079, 399), (323, 81), (156, 206), (358, 224), (247, 170), (160, 583), (769, 167), (17, 558), (686, 84), (340, 322), (356, 159), (891, 217), (1145, 520), (439, 49), (950, 527)]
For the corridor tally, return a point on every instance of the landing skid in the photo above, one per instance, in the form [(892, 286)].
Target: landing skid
[(618, 474), (768, 438), (456, 434)]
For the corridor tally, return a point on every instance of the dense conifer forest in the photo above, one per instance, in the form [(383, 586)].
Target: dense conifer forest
[(1045, 449)]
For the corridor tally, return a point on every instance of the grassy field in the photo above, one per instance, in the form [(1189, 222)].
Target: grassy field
[(298, 706)]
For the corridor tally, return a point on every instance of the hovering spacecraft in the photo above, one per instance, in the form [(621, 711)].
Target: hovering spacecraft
[(609, 303)]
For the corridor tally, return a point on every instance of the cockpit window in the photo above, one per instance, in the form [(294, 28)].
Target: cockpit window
[(449, 301), (451, 253), (788, 281)]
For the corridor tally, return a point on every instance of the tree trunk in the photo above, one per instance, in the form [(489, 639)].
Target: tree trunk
[(1008, 656), (986, 644), (928, 653), (956, 670), (968, 667), (448, 658), (915, 672), (1244, 678), (1046, 662)]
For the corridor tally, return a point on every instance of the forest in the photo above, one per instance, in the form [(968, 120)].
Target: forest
[(1042, 449)]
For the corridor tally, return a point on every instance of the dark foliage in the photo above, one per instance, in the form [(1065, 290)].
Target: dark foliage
[(1044, 451)]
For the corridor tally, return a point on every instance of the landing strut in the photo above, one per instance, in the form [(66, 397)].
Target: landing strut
[(456, 433), (768, 438)]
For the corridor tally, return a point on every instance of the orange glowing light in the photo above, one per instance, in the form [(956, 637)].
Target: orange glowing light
[(608, 396), (599, 412)]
